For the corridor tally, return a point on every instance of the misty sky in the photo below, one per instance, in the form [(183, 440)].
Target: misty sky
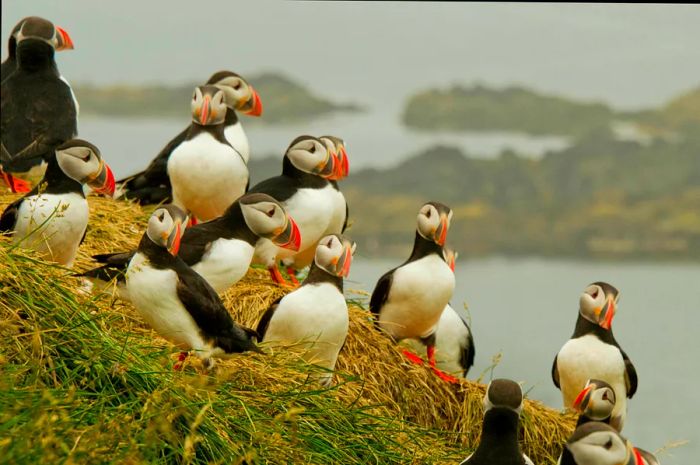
[(629, 55)]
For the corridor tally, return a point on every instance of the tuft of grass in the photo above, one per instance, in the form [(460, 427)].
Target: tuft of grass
[(83, 380)]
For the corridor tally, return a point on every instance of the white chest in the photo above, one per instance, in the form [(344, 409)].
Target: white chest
[(419, 292), (153, 294), (53, 225), (314, 315), (335, 226), (312, 210), (225, 263), (235, 136), (206, 176)]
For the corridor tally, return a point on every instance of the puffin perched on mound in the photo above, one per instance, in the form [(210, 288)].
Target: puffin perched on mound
[(39, 110), (339, 217), (152, 185), (596, 443), (409, 299), (220, 250), (316, 313), (503, 403), (53, 217), (175, 300), (206, 173), (593, 352), (305, 190)]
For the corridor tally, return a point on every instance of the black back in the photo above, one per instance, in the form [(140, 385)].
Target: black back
[(284, 186), (38, 111), (499, 439)]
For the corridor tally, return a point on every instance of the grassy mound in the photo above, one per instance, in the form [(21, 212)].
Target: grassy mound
[(82, 380)]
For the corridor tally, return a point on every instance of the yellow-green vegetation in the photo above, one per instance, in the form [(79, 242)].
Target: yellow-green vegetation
[(284, 100), (83, 381)]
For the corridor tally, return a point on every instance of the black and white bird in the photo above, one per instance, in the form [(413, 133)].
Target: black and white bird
[(503, 403), (305, 190), (593, 353), (39, 110), (53, 217), (597, 443), (339, 219), (220, 250), (206, 173), (408, 300), (152, 185), (594, 403), (175, 300), (315, 315)]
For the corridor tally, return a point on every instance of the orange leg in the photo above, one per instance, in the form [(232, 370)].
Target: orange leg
[(441, 374), (292, 273), (180, 361), (413, 358), (16, 185), (276, 275)]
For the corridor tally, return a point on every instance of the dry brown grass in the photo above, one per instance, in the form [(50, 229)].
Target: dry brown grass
[(371, 371)]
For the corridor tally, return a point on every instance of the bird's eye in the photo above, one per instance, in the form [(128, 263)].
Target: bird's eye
[(608, 444), (312, 149), (605, 395), (271, 212), (330, 243), (161, 216), (429, 212)]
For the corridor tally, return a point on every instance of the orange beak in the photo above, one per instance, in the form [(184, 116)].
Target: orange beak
[(103, 182), (65, 42), (451, 263), (336, 168), (256, 107), (174, 247), (344, 162), (581, 396), (609, 314), (441, 231), (344, 262), (290, 238), (204, 111)]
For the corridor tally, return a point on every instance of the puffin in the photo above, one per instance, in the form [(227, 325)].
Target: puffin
[(339, 219), (503, 403), (593, 352), (206, 173), (39, 109), (219, 250), (596, 443), (53, 217), (316, 313), (305, 190), (454, 343), (152, 186), (409, 300), (594, 403), (175, 300)]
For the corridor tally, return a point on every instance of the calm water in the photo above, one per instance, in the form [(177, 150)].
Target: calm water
[(525, 309), (375, 138)]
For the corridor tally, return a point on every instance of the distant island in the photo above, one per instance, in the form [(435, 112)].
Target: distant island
[(603, 198), (284, 100), (481, 108)]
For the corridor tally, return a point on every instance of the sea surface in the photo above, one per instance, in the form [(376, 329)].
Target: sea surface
[(525, 310)]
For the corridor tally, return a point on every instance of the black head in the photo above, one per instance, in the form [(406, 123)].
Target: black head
[(598, 304), (434, 221), (503, 393)]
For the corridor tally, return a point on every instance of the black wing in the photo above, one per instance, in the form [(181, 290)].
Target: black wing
[(115, 265), (203, 304), (381, 292), (347, 215), (630, 375), (466, 358), (264, 322), (197, 240), (152, 185), (8, 220), (555, 373)]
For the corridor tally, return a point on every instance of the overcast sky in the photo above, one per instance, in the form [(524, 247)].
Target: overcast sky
[(629, 55)]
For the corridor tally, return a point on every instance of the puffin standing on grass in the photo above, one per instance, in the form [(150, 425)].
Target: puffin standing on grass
[(316, 313), (207, 174), (221, 249), (593, 352), (175, 300), (152, 185), (409, 300), (596, 443), (39, 111), (503, 403), (305, 190), (53, 217)]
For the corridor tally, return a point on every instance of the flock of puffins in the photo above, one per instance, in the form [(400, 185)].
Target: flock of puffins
[(214, 226)]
